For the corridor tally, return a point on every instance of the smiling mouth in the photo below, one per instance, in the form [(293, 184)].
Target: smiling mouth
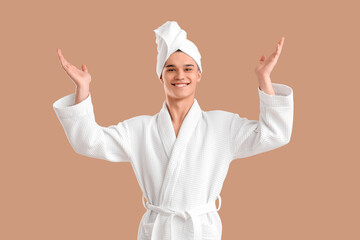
[(180, 85)]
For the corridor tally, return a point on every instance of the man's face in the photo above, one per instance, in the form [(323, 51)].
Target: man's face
[(180, 68)]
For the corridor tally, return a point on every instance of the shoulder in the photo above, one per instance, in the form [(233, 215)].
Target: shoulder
[(216, 115), (138, 120), (219, 120)]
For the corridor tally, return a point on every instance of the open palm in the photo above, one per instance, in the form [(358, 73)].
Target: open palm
[(81, 78), (266, 65)]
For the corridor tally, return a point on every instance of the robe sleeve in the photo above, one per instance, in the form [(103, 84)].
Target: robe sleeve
[(88, 138), (272, 130)]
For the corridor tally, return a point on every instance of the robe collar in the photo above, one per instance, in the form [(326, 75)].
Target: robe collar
[(167, 131), (173, 145)]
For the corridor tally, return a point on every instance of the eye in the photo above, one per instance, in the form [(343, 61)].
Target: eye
[(170, 70), (189, 69)]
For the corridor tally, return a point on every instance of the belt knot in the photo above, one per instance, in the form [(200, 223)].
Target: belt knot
[(192, 213)]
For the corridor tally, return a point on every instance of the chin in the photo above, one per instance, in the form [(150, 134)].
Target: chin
[(181, 96)]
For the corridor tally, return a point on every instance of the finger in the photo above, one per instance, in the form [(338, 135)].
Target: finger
[(275, 54), (281, 43), (279, 47), (84, 68), (61, 57), (64, 62)]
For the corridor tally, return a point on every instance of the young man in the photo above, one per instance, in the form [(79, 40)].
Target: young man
[(180, 155)]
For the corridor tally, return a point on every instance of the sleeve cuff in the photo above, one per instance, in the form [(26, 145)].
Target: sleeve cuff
[(283, 96), (65, 107)]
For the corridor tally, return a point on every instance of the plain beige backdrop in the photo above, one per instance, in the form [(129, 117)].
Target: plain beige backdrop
[(308, 189)]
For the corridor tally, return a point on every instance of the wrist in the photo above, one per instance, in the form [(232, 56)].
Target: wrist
[(81, 93), (265, 82), (264, 78), (265, 85), (82, 87)]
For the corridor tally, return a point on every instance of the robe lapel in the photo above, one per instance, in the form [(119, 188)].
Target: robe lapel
[(166, 130), (174, 146)]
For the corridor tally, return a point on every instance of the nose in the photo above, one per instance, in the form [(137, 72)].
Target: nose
[(180, 74)]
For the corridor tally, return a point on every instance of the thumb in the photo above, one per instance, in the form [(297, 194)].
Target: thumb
[(262, 58), (84, 68)]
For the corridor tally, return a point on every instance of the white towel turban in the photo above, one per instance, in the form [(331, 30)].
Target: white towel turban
[(169, 38)]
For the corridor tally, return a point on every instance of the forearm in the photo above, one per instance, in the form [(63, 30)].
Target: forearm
[(265, 85)]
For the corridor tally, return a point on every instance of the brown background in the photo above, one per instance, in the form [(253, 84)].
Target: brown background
[(308, 189)]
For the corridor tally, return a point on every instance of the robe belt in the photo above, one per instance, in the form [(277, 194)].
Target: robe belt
[(186, 214)]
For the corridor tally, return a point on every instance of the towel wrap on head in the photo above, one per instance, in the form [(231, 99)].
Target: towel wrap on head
[(169, 38)]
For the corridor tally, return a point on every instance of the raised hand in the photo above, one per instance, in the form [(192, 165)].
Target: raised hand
[(81, 78), (265, 66)]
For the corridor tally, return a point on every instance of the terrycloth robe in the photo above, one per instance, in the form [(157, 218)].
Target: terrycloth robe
[(180, 177)]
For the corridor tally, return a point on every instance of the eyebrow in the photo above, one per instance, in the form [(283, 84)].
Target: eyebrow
[(185, 65)]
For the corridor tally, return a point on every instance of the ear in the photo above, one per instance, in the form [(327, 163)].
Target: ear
[(198, 76)]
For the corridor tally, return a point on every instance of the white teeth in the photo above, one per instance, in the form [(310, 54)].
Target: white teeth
[(180, 85)]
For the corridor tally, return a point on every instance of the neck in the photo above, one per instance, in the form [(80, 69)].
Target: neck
[(178, 108)]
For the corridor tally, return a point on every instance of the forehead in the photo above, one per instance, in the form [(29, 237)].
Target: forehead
[(179, 58)]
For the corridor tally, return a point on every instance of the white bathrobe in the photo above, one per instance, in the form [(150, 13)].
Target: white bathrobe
[(181, 177)]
